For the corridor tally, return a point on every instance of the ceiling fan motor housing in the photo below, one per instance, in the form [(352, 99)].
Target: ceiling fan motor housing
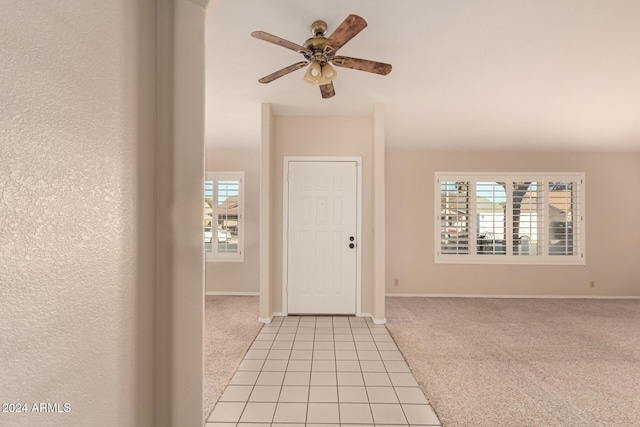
[(319, 28), (316, 43)]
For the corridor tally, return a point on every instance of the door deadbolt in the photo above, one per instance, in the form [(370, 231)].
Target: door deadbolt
[(352, 238)]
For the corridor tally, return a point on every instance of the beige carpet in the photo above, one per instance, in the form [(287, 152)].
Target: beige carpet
[(231, 325), (523, 362)]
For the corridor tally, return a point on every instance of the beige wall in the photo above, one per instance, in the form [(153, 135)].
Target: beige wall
[(334, 136), (267, 305), (612, 231), (239, 277), (100, 290), (179, 300), (77, 212), (379, 216)]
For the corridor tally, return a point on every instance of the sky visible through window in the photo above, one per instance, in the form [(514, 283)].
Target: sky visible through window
[(484, 188), (231, 189)]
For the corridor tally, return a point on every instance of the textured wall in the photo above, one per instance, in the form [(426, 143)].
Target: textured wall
[(611, 231), (75, 274), (350, 136), (239, 276)]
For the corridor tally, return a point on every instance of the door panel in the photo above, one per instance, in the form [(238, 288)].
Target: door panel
[(322, 216)]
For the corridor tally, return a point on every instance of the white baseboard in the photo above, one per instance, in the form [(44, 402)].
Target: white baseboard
[(267, 320), (240, 294), (280, 314), (511, 296), (375, 321)]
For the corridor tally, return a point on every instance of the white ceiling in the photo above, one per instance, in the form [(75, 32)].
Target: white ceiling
[(467, 74)]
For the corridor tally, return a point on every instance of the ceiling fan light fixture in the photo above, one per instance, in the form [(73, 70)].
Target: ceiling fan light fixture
[(315, 69), (320, 73), (313, 74), (328, 72)]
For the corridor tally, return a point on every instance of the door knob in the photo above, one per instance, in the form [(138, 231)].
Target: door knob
[(351, 245)]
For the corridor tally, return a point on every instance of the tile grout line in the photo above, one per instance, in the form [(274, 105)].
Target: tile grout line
[(335, 350), (264, 362), (284, 375), (315, 326), (366, 390), (234, 374), (286, 370), (392, 385), (313, 360), (413, 376)]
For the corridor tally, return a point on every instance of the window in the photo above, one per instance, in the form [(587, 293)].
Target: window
[(502, 218), (223, 216)]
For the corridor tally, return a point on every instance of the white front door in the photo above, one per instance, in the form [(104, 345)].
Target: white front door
[(322, 237)]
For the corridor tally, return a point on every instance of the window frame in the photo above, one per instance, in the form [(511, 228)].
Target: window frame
[(214, 255), (578, 257)]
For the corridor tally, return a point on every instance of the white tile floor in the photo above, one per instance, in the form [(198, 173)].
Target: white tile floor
[(322, 371)]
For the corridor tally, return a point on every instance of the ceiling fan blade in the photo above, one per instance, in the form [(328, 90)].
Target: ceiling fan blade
[(283, 72), (327, 90), (362, 65), (280, 41), (349, 28)]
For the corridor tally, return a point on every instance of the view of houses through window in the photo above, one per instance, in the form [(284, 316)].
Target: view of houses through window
[(223, 196), (498, 218)]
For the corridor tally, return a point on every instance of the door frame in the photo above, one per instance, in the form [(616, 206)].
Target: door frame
[(285, 220)]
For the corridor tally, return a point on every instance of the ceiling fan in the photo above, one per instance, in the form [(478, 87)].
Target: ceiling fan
[(320, 52)]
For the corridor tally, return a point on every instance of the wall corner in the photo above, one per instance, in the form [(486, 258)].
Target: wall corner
[(266, 144), (379, 220)]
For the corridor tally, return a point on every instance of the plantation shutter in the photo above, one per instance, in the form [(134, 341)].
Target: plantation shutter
[(454, 217), (510, 218)]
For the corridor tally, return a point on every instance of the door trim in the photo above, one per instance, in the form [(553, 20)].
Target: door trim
[(285, 220)]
